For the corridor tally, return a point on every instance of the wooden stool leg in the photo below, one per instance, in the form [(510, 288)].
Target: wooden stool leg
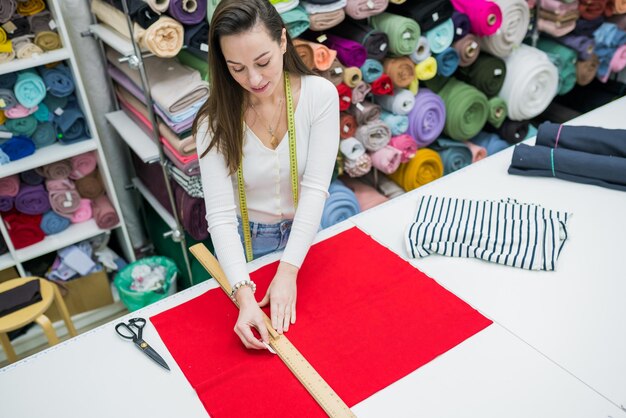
[(64, 312), (7, 347), (47, 329)]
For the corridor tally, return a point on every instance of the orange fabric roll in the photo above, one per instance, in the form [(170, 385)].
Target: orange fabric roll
[(401, 70)]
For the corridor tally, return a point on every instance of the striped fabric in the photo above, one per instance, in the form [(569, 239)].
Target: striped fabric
[(505, 232), (191, 184)]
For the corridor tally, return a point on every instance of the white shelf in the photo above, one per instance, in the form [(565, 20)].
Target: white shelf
[(156, 205), (75, 233), (47, 155), (6, 261), (113, 38), (34, 61), (134, 136)]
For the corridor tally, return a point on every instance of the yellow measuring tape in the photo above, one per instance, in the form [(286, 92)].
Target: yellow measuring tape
[(293, 169), (288, 353)]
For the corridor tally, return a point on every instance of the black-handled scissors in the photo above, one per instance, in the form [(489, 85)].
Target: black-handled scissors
[(133, 330)]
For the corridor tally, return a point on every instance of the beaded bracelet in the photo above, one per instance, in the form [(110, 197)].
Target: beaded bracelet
[(241, 284)]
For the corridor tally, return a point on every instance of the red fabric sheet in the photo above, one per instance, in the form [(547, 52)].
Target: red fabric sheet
[(366, 318)]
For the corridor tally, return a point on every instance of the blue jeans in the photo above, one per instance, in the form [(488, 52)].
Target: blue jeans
[(267, 238)]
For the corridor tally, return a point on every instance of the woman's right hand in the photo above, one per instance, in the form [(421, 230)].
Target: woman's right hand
[(250, 315)]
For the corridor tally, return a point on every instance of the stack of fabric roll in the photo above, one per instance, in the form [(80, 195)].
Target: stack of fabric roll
[(27, 29), (38, 107), (47, 200)]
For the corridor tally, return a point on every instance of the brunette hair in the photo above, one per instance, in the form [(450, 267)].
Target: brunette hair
[(224, 109)]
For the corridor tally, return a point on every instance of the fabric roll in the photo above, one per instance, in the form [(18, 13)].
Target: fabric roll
[(71, 124), (8, 99), (349, 52), (7, 10), (4, 159), (373, 135), (334, 73), (586, 27), (10, 185), (491, 142), (90, 186), (359, 166), (398, 124), (83, 164), (283, 6), (305, 52), (18, 147), (423, 168), (188, 12), (30, 7), (31, 177), (347, 125), (387, 187), (468, 49), (345, 96), (387, 159), (382, 85), (362, 9), (616, 64), (6, 203), (322, 56), (351, 148), (565, 60), (583, 45), (7, 81), (427, 69), (403, 33), (24, 230), (591, 9), (478, 152), (22, 127), (400, 70), (104, 213), (326, 20), (559, 7), (58, 80), (511, 131), (48, 40), (194, 61), (461, 25), (196, 39), (340, 205), (57, 170), (447, 62), (366, 195), (32, 200), (487, 74), (53, 102), (422, 51), (360, 91), (406, 144), (427, 118), (467, 110), (296, 21), (19, 111), (53, 223), (63, 196), (570, 165), (515, 21), (615, 7), (440, 37), (375, 42), (428, 14), (485, 16), (556, 28), (365, 112), (497, 111), (454, 155), (352, 76), (25, 48), (42, 114), (530, 84), (22, 27), (29, 89), (371, 70), (313, 7), (401, 103), (211, 5), (40, 22), (44, 135), (608, 37), (192, 213), (589, 139)]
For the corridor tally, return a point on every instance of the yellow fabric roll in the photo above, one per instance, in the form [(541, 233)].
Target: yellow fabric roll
[(30, 7), (352, 76), (48, 40), (426, 69), (423, 168), (3, 36), (2, 117), (414, 86), (6, 47)]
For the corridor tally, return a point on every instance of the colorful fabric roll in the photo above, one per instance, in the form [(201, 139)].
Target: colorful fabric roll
[(406, 144), (42, 114), (515, 20), (454, 155), (53, 102), (362, 9), (18, 147), (461, 25), (334, 73), (83, 164), (104, 213), (347, 125), (340, 205), (192, 213), (427, 69), (608, 142), (19, 111), (485, 16), (7, 10), (615, 7), (382, 85), (398, 124), (447, 62), (63, 196), (428, 14), (44, 135), (423, 168), (609, 39), (427, 118), (31, 177), (190, 60), (71, 124), (565, 60), (282, 6), (511, 131), (29, 89), (57, 170), (32, 200), (401, 103), (591, 9), (58, 80), (8, 99), (53, 223), (30, 7), (386, 159), (375, 42), (491, 142), (487, 74), (617, 63), (83, 213), (188, 12), (296, 21), (360, 91), (467, 110), (478, 152), (312, 7), (48, 40), (10, 185), (400, 70), (359, 166), (530, 84), (422, 51), (366, 195), (497, 111), (352, 76), (22, 27), (468, 49), (24, 47), (4, 159), (350, 53), (351, 148), (24, 230), (326, 20), (373, 135), (585, 27), (22, 127), (403, 33), (196, 38), (345, 96), (7, 81), (552, 25), (365, 112), (315, 55), (90, 186), (6, 203), (440, 37), (371, 70), (583, 45)]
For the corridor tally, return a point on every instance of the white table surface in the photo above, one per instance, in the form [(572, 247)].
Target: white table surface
[(551, 352)]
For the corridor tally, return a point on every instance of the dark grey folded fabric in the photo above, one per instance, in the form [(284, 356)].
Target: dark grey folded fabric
[(601, 141), (19, 297)]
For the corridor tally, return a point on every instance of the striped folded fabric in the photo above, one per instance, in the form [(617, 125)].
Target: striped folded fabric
[(506, 232)]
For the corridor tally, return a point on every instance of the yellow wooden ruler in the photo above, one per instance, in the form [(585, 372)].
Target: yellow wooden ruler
[(288, 353)]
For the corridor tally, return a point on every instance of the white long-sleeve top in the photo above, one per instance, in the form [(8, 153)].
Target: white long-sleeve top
[(267, 179)]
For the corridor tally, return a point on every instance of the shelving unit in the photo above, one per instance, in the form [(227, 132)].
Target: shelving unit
[(35, 61), (134, 136)]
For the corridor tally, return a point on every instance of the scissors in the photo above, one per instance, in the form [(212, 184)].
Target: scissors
[(125, 330)]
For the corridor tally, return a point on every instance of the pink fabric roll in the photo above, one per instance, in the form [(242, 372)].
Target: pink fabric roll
[(362, 9), (405, 144), (478, 152), (366, 195), (555, 29), (83, 165), (19, 111), (386, 159), (104, 213), (83, 213), (558, 7), (360, 91), (10, 186), (359, 166), (485, 16), (64, 198), (617, 64), (55, 171)]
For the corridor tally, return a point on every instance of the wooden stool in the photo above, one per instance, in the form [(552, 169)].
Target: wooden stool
[(34, 312)]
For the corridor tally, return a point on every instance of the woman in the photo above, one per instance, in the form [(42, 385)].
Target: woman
[(242, 134)]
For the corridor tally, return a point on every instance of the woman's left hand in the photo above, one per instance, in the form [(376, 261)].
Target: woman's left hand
[(281, 295)]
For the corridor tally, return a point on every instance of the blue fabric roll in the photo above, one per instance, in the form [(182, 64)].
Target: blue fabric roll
[(18, 147), (461, 25), (340, 205), (454, 154), (6, 203), (8, 97), (58, 80), (576, 166), (4, 159), (447, 62), (440, 37), (491, 142), (607, 37), (583, 45), (7, 81), (42, 114), (53, 223), (29, 89), (591, 139), (398, 124), (46, 134), (72, 126), (371, 70), (296, 20)]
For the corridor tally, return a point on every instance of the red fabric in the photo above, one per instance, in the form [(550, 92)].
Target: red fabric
[(23, 229), (345, 96), (366, 318), (347, 125), (382, 85)]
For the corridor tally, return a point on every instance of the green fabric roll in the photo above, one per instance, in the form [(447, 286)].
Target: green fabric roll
[(44, 135), (564, 59), (22, 126), (296, 20), (454, 154), (195, 62), (436, 83), (403, 33), (210, 9), (53, 102), (497, 111), (486, 74), (467, 109)]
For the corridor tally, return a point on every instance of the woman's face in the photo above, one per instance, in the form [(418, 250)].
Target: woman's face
[(255, 60)]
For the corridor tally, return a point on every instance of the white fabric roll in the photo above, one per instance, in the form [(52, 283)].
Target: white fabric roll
[(515, 21), (312, 8), (351, 148), (400, 103), (530, 84), (285, 6), (422, 52)]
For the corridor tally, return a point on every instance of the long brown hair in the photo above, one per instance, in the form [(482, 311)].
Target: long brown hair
[(225, 105)]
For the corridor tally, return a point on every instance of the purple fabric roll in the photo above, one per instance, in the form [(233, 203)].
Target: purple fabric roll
[(586, 27), (350, 53), (31, 177), (192, 213), (6, 203), (32, 200), (188, 12), (461, 25), (583, 45), (427, 118)]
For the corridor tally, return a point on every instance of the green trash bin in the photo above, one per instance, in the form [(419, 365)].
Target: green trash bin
[(134, 299)]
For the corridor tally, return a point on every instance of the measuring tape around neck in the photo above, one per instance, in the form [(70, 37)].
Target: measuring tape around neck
[(293, 169)]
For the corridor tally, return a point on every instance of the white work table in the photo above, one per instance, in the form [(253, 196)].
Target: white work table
[(556, 347)]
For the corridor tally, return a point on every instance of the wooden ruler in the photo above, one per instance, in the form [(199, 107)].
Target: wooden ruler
[(288, 353)]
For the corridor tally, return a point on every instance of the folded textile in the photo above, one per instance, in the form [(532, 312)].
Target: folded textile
[(461, 25), (454, 154), (362, 9), (90, 186), (447, 62), (467, 109), (366, 195), (565, 60), (352, 76), (191, 184), (7, 10), (478, 152), (191, 167), (583, 45), (57, 170), (398, 124), (617, 64), (427, 14), (8, 100), (83, 164), (53, 102), (589, 139), (6, 203), (10, 185), (340, 205), (24, 47), (423, 168), (315, 55), (491, 142), (18, 146), (487, 74), (326, 20), (347, 125), (375, 42), (44, 135), (388, 187), (373, 135), (427, 118), (22, 27), (511, 131), (104, 213), (360, 91), (497, 111), (534, 242), (19, 111), (401, 71), (365, 112), (440, 37), (25, 126), (559, 7), (195, 61), (387, 159), (53, 223), (371, 70), (515, 20), (359, 166), (591, 9), (31, 177), (196, 39), (296, 21), (4, 159), (403, 33), (188, 12), (40, 22), (468, 49), (71, 124), (32, 200), (615, 7), (577, 166), (29, 89), (401, 103), (406, 144), (485, 16), (83, 213), (422, 51), (382, 85), (192, 213), (24, 230), (283, 6), (556, 28)]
